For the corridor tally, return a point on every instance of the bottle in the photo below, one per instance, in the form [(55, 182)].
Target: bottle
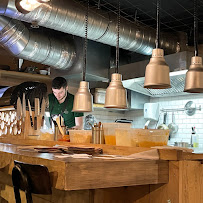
[(195, 138)]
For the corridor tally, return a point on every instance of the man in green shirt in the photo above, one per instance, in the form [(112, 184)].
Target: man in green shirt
[(61, 103)]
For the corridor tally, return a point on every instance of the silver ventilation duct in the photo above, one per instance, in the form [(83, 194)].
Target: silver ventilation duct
[(25, 44), (69, 16)]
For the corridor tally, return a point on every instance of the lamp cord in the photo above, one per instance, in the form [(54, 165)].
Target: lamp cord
[(118, 37), (157, 25), (195, 28), (85, 44)]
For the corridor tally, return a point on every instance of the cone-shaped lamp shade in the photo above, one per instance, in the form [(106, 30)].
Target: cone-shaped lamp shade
[(83, 99), (194, 76), (157, 71), (116, 96)]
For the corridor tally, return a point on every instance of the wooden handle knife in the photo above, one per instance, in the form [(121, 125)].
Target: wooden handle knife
[(24, 110), (19, 112), (36, 112), (43, 111), (19, 109), (30, 112)]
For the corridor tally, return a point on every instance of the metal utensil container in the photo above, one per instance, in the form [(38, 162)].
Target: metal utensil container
[(97, 134)]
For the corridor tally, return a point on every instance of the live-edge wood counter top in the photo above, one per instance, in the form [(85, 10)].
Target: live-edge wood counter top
[(175, 176), (92, 173)]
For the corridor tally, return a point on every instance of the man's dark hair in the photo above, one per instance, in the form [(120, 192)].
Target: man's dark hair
[(59, 82)]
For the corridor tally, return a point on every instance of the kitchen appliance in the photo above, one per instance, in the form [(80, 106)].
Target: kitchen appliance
[(98, 95)]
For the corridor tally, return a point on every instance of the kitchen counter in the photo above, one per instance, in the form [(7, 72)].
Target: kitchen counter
[(153, 175), (95, 172)]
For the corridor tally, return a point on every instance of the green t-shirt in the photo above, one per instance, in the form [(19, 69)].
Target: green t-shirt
[(56, 108)]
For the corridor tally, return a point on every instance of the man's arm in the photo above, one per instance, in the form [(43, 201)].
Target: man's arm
[(78, 123)]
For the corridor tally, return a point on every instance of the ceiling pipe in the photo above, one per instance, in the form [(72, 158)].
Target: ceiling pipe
[(69, 17), (36, 47)]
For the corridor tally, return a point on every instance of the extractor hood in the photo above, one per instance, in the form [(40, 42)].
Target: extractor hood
[(133, 75), (177, 85)]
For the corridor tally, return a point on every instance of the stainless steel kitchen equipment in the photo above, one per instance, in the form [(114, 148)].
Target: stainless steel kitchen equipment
[(181, 144), (172, 126), (163, 126), (98, 134), (123, 120), (189, 108), (98, 95)]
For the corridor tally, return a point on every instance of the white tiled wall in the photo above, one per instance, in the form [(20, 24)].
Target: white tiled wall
[(184, 121), (106, 116)]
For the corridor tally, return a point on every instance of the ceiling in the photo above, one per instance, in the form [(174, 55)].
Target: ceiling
[(175, 15)]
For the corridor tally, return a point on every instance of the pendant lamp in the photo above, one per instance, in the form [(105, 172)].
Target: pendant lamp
[(83, 99), (116, 96), (26, 6), (157, 71), (194, 76)]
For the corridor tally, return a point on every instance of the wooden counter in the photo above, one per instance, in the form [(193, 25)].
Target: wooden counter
[(67, 173), (126, 180)]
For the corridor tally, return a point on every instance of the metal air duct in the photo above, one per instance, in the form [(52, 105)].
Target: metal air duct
[(25, 44), (69, 16)]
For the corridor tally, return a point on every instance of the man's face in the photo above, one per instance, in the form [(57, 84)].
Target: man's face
[(60, 94)]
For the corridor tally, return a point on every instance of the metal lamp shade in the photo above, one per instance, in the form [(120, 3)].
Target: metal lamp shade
[(83, 99), (116, 96), (157, 71), (194, 76)]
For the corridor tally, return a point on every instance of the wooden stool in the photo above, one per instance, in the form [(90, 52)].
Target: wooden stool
[(31, 179)]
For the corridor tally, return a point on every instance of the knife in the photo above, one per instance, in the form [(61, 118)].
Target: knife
[(24, 108), (36, 112), (19, 112), (19, 108), (30, 111), (43, 111)]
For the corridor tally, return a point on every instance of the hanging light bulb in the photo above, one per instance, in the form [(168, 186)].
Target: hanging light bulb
[(157, 71), (116, 96), (26, 6), (83, 99), (193, 80)]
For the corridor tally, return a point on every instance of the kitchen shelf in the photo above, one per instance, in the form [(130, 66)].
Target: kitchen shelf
[(7, 108), (12, 78), (101, 107)]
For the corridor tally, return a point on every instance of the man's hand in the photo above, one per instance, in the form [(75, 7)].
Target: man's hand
[(78, 123)]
